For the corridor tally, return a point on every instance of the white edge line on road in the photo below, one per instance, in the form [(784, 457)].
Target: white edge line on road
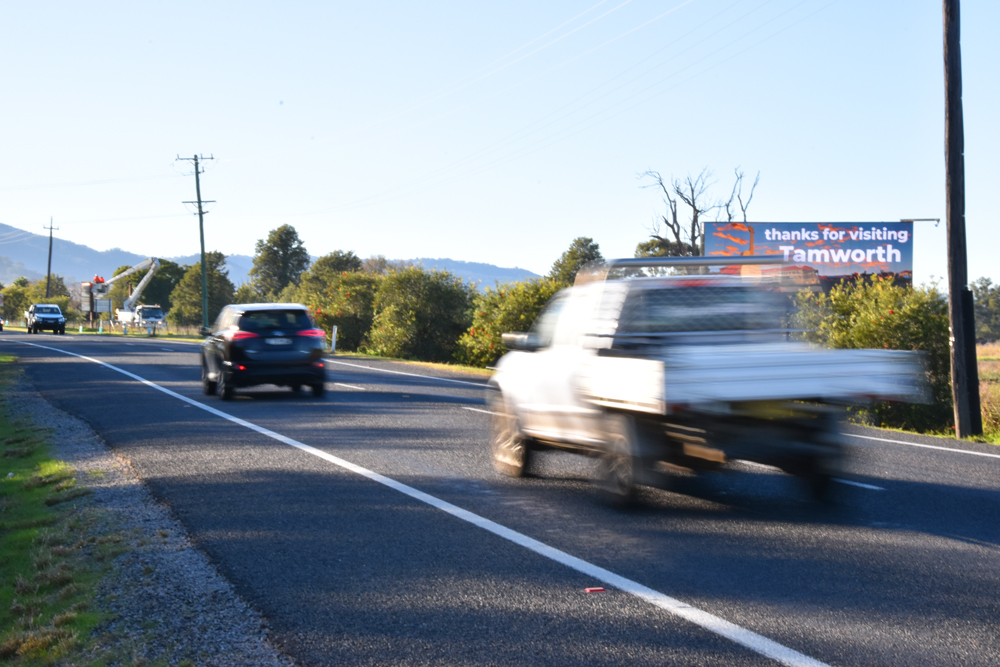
[(481, 385), (710, 622), (349, 386), (917, 444), (858, 484)]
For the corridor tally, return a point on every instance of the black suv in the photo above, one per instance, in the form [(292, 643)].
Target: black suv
[(263, 343)]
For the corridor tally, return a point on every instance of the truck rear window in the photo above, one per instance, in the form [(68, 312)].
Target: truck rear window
[(709, 308)]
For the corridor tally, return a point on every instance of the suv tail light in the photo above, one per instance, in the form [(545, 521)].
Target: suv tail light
[(313, 333), (240, 335)]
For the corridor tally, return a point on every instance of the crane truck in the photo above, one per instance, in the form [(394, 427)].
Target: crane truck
[(131, 314)]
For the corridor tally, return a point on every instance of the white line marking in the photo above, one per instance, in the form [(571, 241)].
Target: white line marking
[(916, 444), (349, 386), (485, 412), (710, 622), (858, 484), (762, 466), (415, 375)]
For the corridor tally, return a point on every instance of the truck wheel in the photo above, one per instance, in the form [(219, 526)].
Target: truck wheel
[(511, 452), (224, 388), (207, 385), (618, 463)]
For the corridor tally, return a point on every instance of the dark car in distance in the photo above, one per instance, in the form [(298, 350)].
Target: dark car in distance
[(263, 343)]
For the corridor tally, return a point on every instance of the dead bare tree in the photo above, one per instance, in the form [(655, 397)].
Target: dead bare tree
[(672, 237), (737, 196)]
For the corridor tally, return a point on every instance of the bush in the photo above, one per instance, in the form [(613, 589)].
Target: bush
[(346, 300), (882, 315), (511, 306), (419, 314)]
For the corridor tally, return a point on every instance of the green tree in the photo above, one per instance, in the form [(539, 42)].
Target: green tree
[(511, 306), (882, 315), (186, 297), (279, 261), (335, 263), (15, 300), (245, 293), (581, 251), (987, 307), (57, 287), (347, 301), (419, 314)]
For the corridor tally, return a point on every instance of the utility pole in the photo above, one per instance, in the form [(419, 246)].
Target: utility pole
[(964, 372), (201, 232), (48, 271)]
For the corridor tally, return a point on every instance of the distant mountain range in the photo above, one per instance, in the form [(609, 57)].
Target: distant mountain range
[(24, 253)]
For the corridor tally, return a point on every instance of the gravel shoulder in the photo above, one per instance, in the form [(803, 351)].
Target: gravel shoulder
[(166, 602)]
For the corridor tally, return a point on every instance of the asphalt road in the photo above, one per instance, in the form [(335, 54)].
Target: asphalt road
[(369, 528)]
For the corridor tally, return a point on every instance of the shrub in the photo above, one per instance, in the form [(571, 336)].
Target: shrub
[(511, 306), (883, 315), (419, 314)]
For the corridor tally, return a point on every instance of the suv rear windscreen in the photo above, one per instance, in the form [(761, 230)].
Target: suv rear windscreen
[(268, 320)]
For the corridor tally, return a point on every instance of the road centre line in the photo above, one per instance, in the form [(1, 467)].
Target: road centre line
[(710, 622), (860, 485), (349, 386), (481, 385), (485, 412), (917, 444)]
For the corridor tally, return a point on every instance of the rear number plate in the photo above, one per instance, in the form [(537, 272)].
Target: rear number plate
[(279, 341)]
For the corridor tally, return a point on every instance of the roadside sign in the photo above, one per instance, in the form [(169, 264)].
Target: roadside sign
[(102, 305), (820, 253)]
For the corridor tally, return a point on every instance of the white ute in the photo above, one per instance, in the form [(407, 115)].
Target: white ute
[(656, 375)]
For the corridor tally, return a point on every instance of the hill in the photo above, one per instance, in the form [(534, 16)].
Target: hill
[(24, 253)]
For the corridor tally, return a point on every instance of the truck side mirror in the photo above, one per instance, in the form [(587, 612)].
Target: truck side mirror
[(524, 342)]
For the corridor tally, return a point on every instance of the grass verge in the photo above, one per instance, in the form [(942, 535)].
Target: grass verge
[(56, 549)]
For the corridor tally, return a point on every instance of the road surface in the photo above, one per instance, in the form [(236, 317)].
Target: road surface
[(370, 528)]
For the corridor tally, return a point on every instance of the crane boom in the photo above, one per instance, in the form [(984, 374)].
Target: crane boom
[(151, 263)]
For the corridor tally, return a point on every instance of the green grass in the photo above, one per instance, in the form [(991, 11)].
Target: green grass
[(56, 549)]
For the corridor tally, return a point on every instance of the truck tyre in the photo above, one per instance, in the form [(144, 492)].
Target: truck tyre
[(224, 388), (511, 450), (207, 386), (619, 465)]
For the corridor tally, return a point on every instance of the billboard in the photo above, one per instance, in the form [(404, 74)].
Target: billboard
[(820, 253)]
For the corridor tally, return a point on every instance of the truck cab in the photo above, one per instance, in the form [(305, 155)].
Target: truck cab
[(45, 317)]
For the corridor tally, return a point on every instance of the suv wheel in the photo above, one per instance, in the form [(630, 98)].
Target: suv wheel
[(207, 386), (318, 390), (224, 388)]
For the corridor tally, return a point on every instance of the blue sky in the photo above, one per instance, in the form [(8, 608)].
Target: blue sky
[(488, 132)]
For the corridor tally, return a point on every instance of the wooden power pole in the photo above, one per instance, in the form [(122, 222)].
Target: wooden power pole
[(48, 270), (201, 231), (964, 372)]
